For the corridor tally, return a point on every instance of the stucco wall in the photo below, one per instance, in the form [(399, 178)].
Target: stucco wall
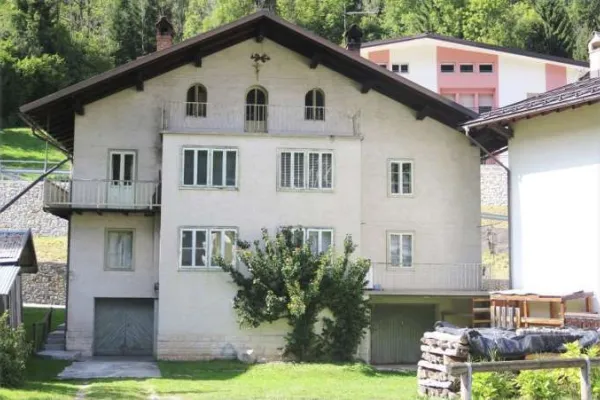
[(88, 278), (195, 315), (555, 196)]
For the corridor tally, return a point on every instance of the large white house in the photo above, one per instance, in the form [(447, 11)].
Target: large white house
[(554, 186), (257, 124), (477, 75)]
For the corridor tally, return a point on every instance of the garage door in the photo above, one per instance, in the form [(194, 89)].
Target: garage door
[(396, 331), (124, 327)]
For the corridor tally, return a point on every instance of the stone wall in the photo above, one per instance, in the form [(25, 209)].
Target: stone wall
[(48, 286), (494, 191), (27, 211)]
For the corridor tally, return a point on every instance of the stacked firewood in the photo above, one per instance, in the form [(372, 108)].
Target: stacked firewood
[(438, 350)]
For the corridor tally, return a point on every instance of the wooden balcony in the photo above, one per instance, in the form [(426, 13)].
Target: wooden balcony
[(182, 117), (429, 278), (64, 197)]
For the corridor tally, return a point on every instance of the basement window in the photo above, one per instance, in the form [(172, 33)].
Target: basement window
[(447, 68)]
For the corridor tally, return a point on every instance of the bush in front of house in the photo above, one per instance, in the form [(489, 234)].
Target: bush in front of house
[(286, 280), (494, 386), (14, 351)]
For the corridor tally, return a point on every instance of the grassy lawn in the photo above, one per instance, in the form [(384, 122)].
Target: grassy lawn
[(32, 315), (20, 144), (224, 380), (50, 249)]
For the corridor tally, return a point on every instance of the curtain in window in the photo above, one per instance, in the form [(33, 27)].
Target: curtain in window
[(298, 170), (327, 170), (395, 177), (406, 250), (120, 249), (395, 250), (313, 170), (406, 178)]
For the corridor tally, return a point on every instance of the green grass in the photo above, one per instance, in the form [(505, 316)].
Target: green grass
[(32, 315), (225, 380), (50, 249), (20, 144)]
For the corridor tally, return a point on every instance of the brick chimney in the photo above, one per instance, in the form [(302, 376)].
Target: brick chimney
[(353, 38), (164, 34)]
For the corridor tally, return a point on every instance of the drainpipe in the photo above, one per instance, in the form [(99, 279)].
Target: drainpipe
[(509, 194)]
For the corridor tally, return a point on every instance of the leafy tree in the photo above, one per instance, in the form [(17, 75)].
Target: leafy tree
[(486, 21), (126, 31), (555, 34)]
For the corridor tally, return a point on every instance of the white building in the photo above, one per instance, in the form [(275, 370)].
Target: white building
[(256, 124), (477, 75), (555, 186)]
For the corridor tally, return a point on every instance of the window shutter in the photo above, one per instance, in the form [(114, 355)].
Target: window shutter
[(327, 170), (286, 170)]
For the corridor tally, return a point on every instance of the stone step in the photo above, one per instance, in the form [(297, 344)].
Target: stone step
[(56, 334), (59, 355), (61, 327), (56, 339), (54, 346)]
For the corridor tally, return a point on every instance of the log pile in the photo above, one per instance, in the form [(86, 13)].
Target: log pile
[(438, 350)]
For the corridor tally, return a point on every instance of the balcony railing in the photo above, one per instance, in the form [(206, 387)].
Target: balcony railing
[(449, 277), (258, 118), (84, 194)]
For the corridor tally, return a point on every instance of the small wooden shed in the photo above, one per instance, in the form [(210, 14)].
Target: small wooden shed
[(17, 256), (511, 308)]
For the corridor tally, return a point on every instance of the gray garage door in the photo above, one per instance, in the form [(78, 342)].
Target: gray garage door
[(396, 331), (124, 327)]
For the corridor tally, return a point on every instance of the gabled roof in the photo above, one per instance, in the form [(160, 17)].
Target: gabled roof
[(569, 96), (485, 46), (16, 249), (55, 112)]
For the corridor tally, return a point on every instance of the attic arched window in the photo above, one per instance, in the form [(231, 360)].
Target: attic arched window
[(196, 101), (314, 105), (256, 109)]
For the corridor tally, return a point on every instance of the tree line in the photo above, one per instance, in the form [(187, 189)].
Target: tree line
[(49, 44)]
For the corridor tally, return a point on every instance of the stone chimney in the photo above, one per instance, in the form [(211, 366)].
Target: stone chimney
[(164, 34), (353, 38), (594, 52)]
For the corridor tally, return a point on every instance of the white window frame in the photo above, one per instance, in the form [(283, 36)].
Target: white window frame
[(306, 170), (208, 230), (209, 170), (466, 65), (453, 65), (320, 232), (107, 265), (401, 257), (401, 162), (485, 72)]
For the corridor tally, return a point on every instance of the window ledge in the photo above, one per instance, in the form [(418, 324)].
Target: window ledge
[(211, 188), (294, 190), (398, 195), (199, 269)]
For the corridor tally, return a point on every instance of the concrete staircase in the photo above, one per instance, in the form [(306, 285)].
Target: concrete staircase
[(54, 348)]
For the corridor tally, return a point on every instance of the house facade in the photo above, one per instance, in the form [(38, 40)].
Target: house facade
[(257, 124), (477, 75), (555, 175)]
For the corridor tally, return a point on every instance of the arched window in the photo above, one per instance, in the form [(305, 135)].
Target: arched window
[(256, 110), (314, 105), (196, 101)]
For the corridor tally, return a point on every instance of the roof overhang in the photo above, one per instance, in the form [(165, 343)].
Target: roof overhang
[(55, 113)]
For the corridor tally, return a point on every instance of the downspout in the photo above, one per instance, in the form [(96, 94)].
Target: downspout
[(509, 194)]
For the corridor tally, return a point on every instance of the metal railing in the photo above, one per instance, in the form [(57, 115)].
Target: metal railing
[(40, 331), (468, 276), (101, 194), (258, 118), (466, 370)]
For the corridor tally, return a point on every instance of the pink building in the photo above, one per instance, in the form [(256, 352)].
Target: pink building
[(477, 75)]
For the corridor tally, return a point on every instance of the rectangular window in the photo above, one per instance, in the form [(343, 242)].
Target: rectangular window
[(466, 68), (306, 169), (401, 177), (320, 240), (400, 249), (119, 249), (486, 68), (404, 68), (210, 167), (486, 103), (395, 68), (447, 68), (197, 243)]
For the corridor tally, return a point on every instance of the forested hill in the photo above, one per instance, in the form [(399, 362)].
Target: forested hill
[(49, 44)]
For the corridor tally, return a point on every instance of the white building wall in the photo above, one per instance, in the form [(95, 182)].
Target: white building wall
[(517, 77), (555, 202), (88, 278)]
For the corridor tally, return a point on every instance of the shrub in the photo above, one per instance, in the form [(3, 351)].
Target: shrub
[(539, 385), (494, 386), (14, 351)]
